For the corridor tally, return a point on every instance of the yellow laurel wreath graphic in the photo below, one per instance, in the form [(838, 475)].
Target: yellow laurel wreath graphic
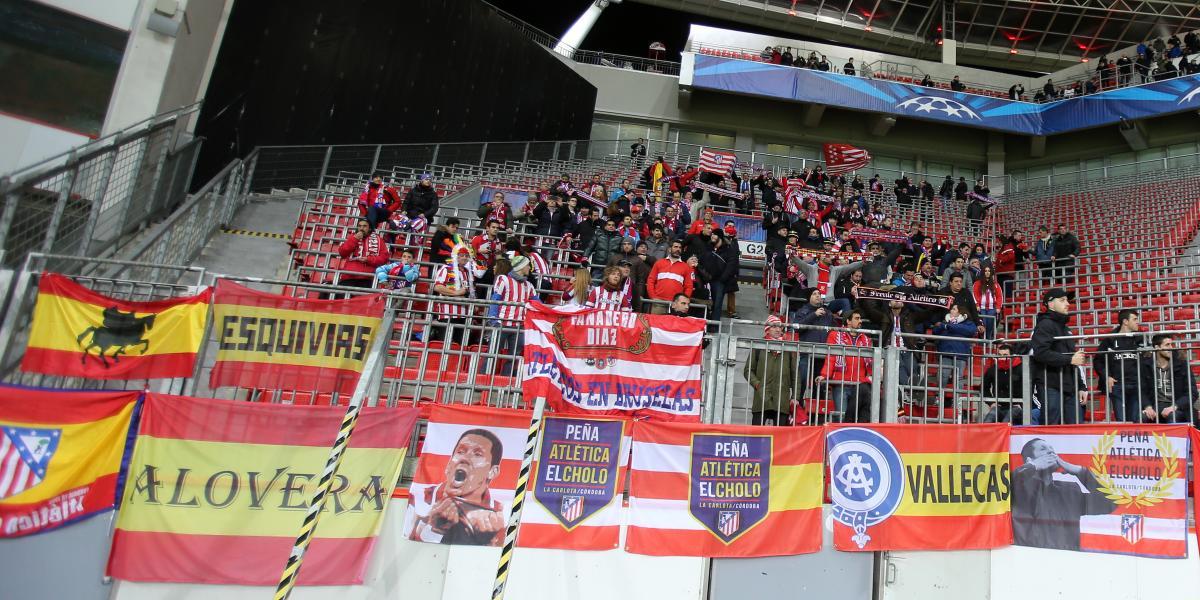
[(1159, 491)]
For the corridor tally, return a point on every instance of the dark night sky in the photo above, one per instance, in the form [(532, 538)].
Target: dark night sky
[(625, 28)]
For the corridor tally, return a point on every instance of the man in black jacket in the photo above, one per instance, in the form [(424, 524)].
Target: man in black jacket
[(552, 217), (718, 268), (1003, 381), (1056, 362), (1169, 389), (960, 190), (897, 319), (422, 199), (1066, 246), (1045, 509), (1117, 364)]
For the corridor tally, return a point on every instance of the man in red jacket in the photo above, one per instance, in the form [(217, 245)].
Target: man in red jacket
[(849, 376), (670, 276), (361, 253), (377, 202)]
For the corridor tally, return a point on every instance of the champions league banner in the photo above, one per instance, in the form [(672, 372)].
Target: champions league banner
[(602, 362), (919, 487), (724, 490), (579, 474), (1117, 489), (751, 237)]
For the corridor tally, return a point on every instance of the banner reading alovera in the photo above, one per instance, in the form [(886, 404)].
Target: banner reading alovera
[(578, 478), (277, 342), (724, 490), (217, 491), (1115, 488), (616, 363), (919, 487)]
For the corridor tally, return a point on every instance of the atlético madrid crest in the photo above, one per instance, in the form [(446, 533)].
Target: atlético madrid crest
[(25, 452), (867, 479)]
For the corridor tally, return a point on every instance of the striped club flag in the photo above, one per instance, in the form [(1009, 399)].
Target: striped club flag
[(919, 487), (1126, 486), (599, 362), (717, 163), (843, 158), (724, 490), (577, 481), (465, 481)]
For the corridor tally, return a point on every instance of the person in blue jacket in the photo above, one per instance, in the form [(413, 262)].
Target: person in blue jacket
[(954, 353)]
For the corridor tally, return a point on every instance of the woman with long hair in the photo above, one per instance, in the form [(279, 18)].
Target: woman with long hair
[(989, 297), (577, 294), (612, 293)]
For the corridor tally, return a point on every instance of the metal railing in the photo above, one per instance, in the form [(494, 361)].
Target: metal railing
[(1106, 176), (91, 200)]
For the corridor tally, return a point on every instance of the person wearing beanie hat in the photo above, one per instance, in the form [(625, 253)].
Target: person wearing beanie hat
[(771, 372), (1056, 362), (422, 199)]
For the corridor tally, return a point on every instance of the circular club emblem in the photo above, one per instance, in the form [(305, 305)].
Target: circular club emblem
[(867, 479)]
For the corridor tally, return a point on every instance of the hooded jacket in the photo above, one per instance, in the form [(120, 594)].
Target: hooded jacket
[(602, 247), (1118, 357), (1183, 385), (421, 200)]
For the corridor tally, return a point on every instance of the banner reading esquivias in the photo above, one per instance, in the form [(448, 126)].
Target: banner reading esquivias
[(60, 453), (217, 490), (1116, 488), (618, 363), (278, 342), (724, 490), (578, 477), (919, 487), (78, 332)]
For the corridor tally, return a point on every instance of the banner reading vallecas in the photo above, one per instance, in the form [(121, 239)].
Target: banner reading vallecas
[(919, 487), (618, 363), (724, 490), (217, 490), (1117, 488), (467, 476), (77, 332), (278, 342), (578, 479), (60, 453)]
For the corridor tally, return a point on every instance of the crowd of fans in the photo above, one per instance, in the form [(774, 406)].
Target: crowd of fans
[(666, 251)]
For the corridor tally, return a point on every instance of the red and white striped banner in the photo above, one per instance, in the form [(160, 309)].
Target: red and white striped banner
[(464, 484), (1115, 488), (843, 158), (593, 361), (718, 163), (712, 189)]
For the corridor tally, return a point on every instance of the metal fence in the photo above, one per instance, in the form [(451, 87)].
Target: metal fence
[(91, 200)]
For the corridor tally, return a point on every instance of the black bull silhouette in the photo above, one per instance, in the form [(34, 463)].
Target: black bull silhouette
[(120, 332)]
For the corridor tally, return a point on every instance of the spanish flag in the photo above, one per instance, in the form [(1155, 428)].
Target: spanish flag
[(279, 342), (77, 332), (919, 487), (217, 491), (60, 452), (724, 490)]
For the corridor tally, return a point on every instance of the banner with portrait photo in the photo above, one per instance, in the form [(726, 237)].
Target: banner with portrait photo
[(464, 485), (577, 480), (919, 487), (724, 490), (514, 197), (1114, 488)]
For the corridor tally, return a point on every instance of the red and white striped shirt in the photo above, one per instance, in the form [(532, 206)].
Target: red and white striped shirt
[(618, 299), (988, 298), (455, 278), (538, 268), (508, 289)]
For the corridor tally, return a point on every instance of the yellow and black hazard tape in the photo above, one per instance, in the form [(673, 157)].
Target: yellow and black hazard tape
[(265, 234)]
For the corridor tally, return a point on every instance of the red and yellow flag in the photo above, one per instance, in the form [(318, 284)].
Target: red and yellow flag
[(919, 487), (77, 332), (278, 342), (217, 490), (60, 453), (724, 490)]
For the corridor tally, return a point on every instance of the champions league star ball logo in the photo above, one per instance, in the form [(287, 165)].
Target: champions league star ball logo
[(932, 104), (868, 479), (1190, 95)]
